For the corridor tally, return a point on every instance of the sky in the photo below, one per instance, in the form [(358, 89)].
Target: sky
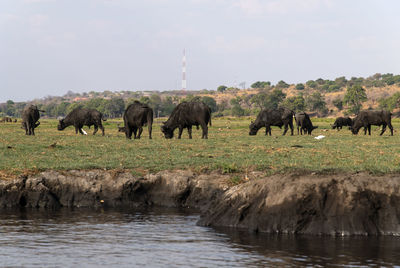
[(48, 47)]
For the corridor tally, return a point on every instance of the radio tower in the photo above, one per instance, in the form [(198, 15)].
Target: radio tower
[(184, 71)]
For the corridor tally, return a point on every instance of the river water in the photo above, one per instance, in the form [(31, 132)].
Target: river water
[(169, 238)]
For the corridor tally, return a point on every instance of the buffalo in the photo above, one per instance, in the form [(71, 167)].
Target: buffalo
[(342, 121), (367, 118), (273, 117), (186, 115), (136, 116), (80, 117), (303, 122), (30, 117)]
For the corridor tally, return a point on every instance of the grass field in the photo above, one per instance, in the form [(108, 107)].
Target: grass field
[(229, 149)]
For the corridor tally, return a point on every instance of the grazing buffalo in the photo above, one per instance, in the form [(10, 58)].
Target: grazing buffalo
[(367, 118), (80, 117), (186, 115), (273, 117), (30, 117), (303, 122), (136, 116), (342, 121)]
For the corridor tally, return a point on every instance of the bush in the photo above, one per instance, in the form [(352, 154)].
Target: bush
[(300, 86)]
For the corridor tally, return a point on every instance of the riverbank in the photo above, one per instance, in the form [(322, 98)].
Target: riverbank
[(309, 203)]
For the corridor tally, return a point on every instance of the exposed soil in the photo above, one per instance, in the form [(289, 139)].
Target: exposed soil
[(345, 204)]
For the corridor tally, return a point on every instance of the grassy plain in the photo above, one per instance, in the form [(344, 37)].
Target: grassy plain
[(229, 149)]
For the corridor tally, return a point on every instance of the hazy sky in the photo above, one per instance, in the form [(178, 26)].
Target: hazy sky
[(48, 47)]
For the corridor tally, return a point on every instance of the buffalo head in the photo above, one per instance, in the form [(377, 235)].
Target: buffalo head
[(168, 132), (253, 129), (61, 124)]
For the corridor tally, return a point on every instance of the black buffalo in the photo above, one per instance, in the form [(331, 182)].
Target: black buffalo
[(303, 122), (136, 116), (367, 118), (80, 117), (273, 117), (30, 117), (186, 115), (342, 121)]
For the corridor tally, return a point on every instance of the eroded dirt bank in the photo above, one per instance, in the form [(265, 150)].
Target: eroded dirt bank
[(311, 204)]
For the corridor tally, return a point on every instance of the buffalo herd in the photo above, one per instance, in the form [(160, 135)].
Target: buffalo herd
[(196, 113)]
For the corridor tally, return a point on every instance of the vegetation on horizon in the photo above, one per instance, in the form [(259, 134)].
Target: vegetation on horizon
[(309, 96)]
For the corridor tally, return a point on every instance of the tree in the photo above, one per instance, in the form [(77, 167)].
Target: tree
[(316, 102), (210, 102), (282, 84), (311, 84), (260, 84), (354, 98), (222, 88), (300, 86), (338, 103), (115, 107), (270, 101), (237, 110), (296, 103)]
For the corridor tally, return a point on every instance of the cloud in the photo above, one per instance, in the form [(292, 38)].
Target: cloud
[(279, 7), (38, 20), (242, 45)]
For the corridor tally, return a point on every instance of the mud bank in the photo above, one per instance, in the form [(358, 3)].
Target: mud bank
[(349, 204)]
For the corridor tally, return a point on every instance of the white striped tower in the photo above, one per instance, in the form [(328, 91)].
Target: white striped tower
[(184, 71)]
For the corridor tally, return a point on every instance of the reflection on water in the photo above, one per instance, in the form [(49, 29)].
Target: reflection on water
[(160, 238)]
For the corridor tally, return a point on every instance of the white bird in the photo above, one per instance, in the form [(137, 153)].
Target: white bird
[(320, 137), (84, 132)]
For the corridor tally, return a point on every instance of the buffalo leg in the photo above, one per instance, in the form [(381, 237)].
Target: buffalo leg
[(391, 128), (180, 132), (102, 129), (128, 132), (140, 132), (189, 131), (369, 130), (95, 129), (135, 133), (285, 130), (150, 129), (383, 129), (291, 128), (204, 127)]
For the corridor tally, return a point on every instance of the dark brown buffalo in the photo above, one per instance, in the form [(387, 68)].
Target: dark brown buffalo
[(30, 117), (186, 115), (273, 117), (80, 117), (136, 116), (367, 118), (303, 122), (342, 121)]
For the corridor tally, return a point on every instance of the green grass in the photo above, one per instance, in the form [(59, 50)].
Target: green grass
[(229, 149)]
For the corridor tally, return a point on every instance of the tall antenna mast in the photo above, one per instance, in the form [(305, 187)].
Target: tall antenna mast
[(184, 71)]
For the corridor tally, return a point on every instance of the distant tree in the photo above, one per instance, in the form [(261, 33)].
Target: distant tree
[(282, 84), (73, 106), (341, 81), (312, 84), (210, 102), (115, 107), (316, 102), (296, 103), (338, 103), (260, 84), (354, 98), (320, 81), (237, 110), (222, 88), (271, 100), (300, 86)]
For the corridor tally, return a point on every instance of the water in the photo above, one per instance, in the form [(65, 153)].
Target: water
[(169, 238)]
